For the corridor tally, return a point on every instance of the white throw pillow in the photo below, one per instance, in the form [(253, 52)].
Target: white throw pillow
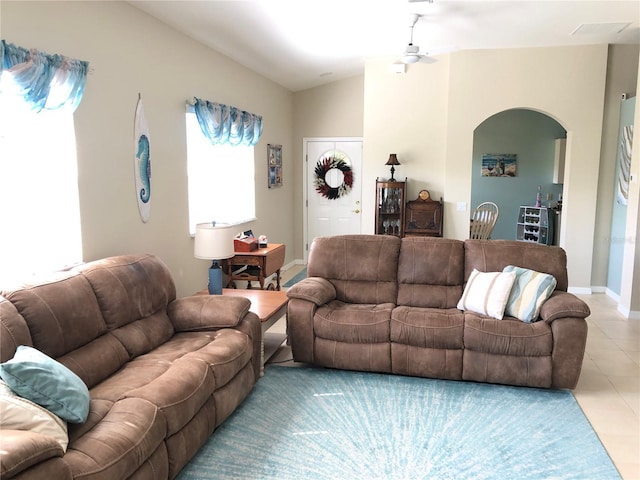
[(487, 293), (17, 413)]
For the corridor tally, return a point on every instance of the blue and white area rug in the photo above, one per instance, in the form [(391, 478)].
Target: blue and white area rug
[(306, 423), (299, 276)]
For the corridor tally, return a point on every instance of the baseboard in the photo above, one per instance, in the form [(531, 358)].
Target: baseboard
[(598, 289), (292, 264), (629, 314), (580, 290), (613, 295)]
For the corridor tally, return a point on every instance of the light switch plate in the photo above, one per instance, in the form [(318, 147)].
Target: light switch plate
[(462, 206)]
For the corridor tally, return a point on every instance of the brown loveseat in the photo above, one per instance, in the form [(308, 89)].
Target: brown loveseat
[(162, 372), (385, 304)]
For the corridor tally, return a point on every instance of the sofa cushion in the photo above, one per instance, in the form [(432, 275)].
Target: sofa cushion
[(362, 268), (427, 327), (143, 335), (41, 379), (507, 369), (367, 357), (28, 450), (487, 293), (530, 290), (205, 312), (353, 323), (129, 287), (507, 337), (179, 392), (184, 388), (430, 272), (494, 255), (18, 413), (96, 360), (13, 330), (63, 314), (119, 443)]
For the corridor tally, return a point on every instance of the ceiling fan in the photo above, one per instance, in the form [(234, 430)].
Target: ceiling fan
[(412, 52)]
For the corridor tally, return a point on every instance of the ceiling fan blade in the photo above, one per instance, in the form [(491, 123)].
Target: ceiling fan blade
[(428, 59)]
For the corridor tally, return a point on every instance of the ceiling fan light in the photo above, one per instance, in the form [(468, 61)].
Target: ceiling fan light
[(410, 59)]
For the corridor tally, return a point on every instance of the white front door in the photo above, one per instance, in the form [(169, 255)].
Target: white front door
[(333, 193)]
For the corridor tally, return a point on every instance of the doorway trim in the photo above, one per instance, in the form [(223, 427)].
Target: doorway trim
[(305, 193)]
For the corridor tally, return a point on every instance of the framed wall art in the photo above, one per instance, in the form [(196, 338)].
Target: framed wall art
[(274, 165), (499, 164)]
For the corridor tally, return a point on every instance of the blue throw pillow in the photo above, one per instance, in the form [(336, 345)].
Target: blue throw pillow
[(39, 378), (530, 290)]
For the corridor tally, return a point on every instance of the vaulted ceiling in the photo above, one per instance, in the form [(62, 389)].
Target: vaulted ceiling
[(304, 43)]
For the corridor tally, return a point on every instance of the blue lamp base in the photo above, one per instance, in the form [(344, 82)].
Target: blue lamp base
[(215, 279)]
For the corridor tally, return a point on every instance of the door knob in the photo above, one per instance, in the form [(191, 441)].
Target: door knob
[(357, 210)]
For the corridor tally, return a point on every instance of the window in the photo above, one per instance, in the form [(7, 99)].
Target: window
[(38, 189), (220, 179)]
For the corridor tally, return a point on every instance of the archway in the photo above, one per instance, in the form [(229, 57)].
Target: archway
[(531, 137)]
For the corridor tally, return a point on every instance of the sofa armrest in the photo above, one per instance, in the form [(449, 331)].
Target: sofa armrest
[(207, 312), (563, 304), (21, 450), (313, 289)]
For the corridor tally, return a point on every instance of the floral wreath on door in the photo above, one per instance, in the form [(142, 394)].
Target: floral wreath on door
[(337, 161)]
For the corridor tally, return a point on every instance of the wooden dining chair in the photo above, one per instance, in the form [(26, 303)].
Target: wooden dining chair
[(483, 220)]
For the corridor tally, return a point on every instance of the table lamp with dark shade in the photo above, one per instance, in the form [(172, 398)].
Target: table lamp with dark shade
[(214, 241), (393, 160)]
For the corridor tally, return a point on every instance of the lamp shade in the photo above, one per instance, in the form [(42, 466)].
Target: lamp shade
[(393, 159), (213, 241)]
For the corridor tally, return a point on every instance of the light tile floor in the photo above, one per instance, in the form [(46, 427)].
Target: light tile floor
[(609, 388)]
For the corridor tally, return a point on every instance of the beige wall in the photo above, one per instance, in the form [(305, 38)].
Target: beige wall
[(451, 98), (622, 75), (333, 110), (426, 116), (130, 52)]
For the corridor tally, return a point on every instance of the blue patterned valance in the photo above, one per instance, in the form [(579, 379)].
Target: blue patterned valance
[(44, 80), (223, 124)]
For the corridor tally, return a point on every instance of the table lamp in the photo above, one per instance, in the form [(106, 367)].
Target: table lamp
[(393, 160), (214, 242)]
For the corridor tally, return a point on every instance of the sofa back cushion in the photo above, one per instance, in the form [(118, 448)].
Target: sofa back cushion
[(133, 292), (62, 313), (430, 272), (494, 255), (362, 268), (13, 330)]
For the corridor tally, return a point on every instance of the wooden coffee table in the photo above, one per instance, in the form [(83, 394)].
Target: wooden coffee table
[(270, 306)]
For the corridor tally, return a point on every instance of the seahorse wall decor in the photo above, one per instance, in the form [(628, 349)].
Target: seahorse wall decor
[(145, 168), (142, 162)]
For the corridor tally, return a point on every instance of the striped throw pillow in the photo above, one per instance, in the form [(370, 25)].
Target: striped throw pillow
[(530, 290), (487, 293)]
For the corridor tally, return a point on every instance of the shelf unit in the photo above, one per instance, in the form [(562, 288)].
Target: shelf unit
[(535, 225), (390, 207)]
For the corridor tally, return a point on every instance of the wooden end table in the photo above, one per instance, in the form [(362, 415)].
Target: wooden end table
[(270, 306), (267, 260)]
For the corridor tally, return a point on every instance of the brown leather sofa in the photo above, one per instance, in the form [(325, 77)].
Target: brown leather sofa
[(384, 304), (162, 372)]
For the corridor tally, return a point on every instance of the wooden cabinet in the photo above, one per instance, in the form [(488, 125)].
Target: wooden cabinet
[(390, 207), (535, 224), (424, 216)]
